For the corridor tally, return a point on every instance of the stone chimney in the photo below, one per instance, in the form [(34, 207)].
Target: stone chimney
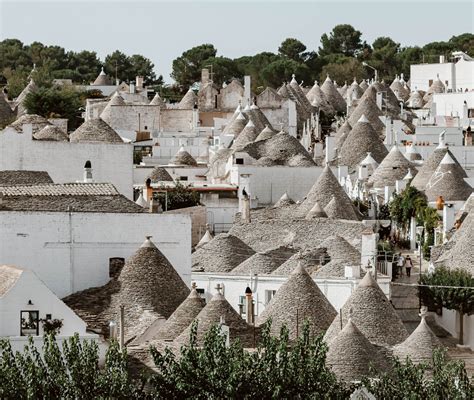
[(139, 81), (204, 76), (88, 172), (378, 100), (249, 305), (132, 87), (245, 208)]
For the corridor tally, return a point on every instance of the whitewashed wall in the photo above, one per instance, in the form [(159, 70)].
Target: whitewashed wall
[(64, 161), (42, 242), (450, 321)]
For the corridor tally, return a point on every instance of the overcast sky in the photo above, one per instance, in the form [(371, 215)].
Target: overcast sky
[(162, 30)]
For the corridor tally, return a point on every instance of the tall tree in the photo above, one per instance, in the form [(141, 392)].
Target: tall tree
[(343, 39), (118, 64), (142, 66), (223, 69), (187, 67), (384, 57), (281, 70), (345, 69), (293, 49)]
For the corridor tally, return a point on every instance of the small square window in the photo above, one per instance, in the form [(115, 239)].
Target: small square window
[(48, 316), (239, 161)]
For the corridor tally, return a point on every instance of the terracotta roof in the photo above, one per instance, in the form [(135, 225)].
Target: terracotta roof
[(392, 168), (15, 178), (159, 174), (181, 318), (373, 314), (221, 254), (211, 315), (333, 96), (36, 121), (325, 187), (264, 262), (350, 355), (9, 275), (361, 140), (419, 345), (95, 130), (149, 281), (297, 300), (182, 157), (448, 181), (79, 197), (51, 132)]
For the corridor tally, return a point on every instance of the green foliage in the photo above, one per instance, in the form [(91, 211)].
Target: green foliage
[(343, 69), (56, 102), (178, 197), (275, 370), (409, 203), (343, 39), (408, 381), (187, 68), (223, 69), (128, 67), (276, 72), (293, 49)]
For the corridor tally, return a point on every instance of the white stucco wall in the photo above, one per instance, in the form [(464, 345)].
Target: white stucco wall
[(270, 183), (421, 74), (337, 291), (449, 320), (452, 104), (42, 242), (64, 161)]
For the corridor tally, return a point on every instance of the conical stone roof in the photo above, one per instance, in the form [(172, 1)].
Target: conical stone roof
[(393, 167), (20, 101), (354, 92), (188, 101), (415, 100), (115, 100), (148, 281), (350, 355), (361, 140), (51, 132), (436, 87), (160, 174), (38, 122), (343, 90), (333, 96), (211, 315), (448, 181), (248, 135), (182, 157), (221, 254), (369, 109), (373, 314), (265, 134), (264, 262), (297, 300), (322, 192), (157, 101), (412, 153), (430, 165), (316, 212), (337, 209), (309, 259), (6, 112), (397, 87), (206, 238), (236, 126), (419, 345), (363, 85), (341, 254), (257, 117), (284, 201), (317, 98), (102, 79), (342, 133), (283, 91), (95, 130), (182, 317)]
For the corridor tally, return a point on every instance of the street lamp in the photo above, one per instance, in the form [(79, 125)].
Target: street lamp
[(369, 66)]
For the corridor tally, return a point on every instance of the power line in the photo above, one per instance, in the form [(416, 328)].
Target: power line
[(432, 286)]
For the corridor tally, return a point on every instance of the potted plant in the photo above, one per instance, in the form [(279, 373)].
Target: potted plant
[(52, 326)]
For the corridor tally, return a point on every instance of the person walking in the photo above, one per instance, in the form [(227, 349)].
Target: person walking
[(408, 265), (400, 264)]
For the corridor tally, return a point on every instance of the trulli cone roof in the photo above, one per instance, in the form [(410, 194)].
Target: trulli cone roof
[(309, 259), (284, 201), (182, 157), (361, 140), (38, 122), (160, 174), (393, 167), (419, 345), (115, 100), (369, 109), (188, 101), (318, 99), (343, 90), (95, 130), (206, 238), (257, 117), (51, 132), (412, 153), (436, 87), (397, 86), (246, 136), (264, 262), (316, 212), (415, 100), (354, 92), (430, 165), (369, 161), (325, 187), (182, 317), (20, 100), (448, 181), (333, 96), (157, 101), (297, 300), (373, 314), (211, 315), (350, 354), (6, 112), (342, 133), (149, 281), (102, 79), (337, 209), (341, 254), (265, 134), (283, 91), (363, 85), (221, 254), (236, 126)]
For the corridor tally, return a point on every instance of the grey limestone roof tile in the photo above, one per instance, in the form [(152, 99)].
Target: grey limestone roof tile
[(19, 177), (95, 130)]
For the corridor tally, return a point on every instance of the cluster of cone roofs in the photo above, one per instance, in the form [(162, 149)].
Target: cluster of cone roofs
[(366, 331)]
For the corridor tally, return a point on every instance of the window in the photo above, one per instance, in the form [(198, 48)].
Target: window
[(29, 323), (239, 161), (200, 291), (269, 295), (183, 178), (243, 305)]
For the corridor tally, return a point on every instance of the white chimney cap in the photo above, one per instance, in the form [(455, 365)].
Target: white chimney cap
[(363, 118)]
